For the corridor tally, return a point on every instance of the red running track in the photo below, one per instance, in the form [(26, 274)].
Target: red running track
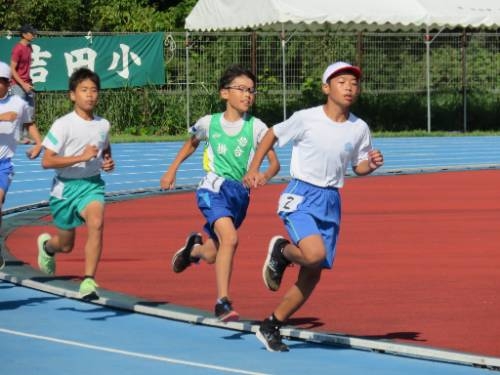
[(418, 259)]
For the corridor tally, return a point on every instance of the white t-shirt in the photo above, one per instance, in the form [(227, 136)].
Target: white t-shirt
[(323, 149), (9, 129), (69, 135)]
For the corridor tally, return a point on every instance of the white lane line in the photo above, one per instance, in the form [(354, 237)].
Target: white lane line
[(129, 353)]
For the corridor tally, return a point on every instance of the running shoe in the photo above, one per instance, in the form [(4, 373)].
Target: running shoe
[(88, 289), (224, 311), (269, 334), (182, 259), (275, 264), (46, 263)]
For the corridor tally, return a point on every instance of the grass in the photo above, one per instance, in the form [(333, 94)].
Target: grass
[(424, 133), (128, 138)]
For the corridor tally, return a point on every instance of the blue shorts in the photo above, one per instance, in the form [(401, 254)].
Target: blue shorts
[(6, 175), (308, 210), (230, 200)]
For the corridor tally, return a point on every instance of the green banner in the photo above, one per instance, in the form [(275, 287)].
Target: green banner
[(120, 61)]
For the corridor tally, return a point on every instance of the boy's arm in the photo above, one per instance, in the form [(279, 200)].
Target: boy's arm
[(167, 181), (108, 163), (52, 160), (375, 160), (273, 168), (35, 136), (252, 178), (8, 116), (13, 69)]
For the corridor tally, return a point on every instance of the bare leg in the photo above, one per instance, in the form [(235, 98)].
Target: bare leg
[(207, 251), (228, 242), (94, 219), (311, 251), (299, 293), (62, 242)]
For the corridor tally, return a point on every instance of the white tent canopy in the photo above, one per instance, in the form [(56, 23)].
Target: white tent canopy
[(345, 15), (369, 15)]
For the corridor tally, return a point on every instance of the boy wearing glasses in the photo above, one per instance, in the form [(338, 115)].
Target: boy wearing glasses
[(231, 138)]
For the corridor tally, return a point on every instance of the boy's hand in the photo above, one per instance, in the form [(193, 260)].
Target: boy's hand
[(108, 163), (89, 153), (167, 181), (375, 159), (254, 179), (33, 152)]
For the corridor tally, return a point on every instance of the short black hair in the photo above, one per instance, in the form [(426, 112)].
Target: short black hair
[(82, 74), (28, 29), (232, 72)]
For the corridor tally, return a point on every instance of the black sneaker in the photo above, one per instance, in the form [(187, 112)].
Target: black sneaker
[(269, 334), (224, 311), (182, 259), (275, 264)]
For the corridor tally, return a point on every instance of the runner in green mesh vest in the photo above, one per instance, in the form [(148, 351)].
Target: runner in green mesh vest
[(231, 139)]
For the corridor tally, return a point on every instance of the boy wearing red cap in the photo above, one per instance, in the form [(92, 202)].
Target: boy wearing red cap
[(326, 140)]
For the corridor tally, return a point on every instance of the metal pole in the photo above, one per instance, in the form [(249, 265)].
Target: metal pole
[(283, 62), (188, 114), (464, 77), (428, 76)]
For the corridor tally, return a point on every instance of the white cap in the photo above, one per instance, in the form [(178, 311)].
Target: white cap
[(338, 67), (4, 70)]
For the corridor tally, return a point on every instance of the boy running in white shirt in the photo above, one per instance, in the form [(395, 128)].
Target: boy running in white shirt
[(77, 147), (326, 140)]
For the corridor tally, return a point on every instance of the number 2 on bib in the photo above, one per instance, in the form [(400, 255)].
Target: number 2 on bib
[(289, 202)]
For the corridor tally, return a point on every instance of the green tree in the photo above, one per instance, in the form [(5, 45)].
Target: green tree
[(95, 15), (43, 14)]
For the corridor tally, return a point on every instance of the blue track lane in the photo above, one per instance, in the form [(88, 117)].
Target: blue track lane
[(42, 333), (45, 334), (141, 165)]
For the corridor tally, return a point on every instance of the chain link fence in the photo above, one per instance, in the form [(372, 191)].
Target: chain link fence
[(408, 79)]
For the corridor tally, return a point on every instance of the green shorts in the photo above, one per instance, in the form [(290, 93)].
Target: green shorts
[(69, 197)]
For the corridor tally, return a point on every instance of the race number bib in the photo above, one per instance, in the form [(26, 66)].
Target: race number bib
[(211, 182), (289, 202)]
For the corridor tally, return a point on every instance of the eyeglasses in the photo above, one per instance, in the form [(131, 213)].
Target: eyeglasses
[(243, 89)]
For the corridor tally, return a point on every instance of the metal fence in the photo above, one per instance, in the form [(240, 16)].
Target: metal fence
[(461, 63), (453, 67)]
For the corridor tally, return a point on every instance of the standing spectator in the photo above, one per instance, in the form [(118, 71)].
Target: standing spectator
[(13, 115), (21, 83)]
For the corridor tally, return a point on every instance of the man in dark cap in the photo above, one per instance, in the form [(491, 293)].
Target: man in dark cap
[(20, 64)]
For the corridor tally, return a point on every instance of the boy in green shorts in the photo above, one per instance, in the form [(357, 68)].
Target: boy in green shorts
[(77, 147)]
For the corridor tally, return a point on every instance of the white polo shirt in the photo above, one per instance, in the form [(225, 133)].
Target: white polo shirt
[(70, 134), (9, 129), (323, 149)]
